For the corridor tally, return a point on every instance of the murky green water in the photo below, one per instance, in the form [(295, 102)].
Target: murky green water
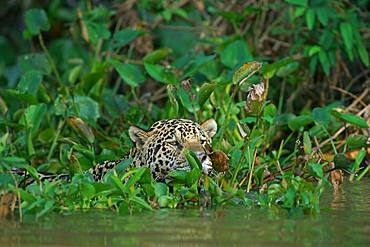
[(344, 221)]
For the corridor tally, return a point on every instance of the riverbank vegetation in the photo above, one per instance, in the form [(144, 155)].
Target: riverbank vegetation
[(286, 81)]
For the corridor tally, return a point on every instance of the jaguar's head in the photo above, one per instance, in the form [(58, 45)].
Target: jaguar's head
[(161, 148)]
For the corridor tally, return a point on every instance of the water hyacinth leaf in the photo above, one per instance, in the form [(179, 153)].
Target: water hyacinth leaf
[(205, 92), (126, 36), (137, 174), (130, 73), (347, 34), (88, 108), (193, 176), (192, 159), (161, 189), (155, 71), (307, 145), (30, 82), (36, 21), (352, 119), (141, 202), (178, 176), (87, 191), (246, 71), (300, 121), (34, 61), (235, 53), (157, 55)]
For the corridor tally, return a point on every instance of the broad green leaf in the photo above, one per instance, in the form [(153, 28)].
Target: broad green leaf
[(30, 82), (205, 92), (88, 108), (157, 55), (97, 31), (321, 116), (141, 202), (236, 53), (352, 119), (246, 71), (347, 35), (130, 73), (356, 141), (36, 21), (313, 50), (341, 161), (310, 18), (300, 121), (323, 15), (33, 116), (74, 73), (34, 61), (126, 36), (269, 70), (155, 71), (160, 189), (316, 169), (87, 191)]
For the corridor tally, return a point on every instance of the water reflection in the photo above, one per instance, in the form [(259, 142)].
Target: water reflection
[(344, 220)]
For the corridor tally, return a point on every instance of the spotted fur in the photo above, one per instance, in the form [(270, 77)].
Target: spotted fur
[(161, 148)]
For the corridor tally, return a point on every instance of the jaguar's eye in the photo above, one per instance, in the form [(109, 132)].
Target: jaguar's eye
[(176, 143)]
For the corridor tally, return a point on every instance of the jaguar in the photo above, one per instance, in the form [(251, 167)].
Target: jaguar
[(161, 149)]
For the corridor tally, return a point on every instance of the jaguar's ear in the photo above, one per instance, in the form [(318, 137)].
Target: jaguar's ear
[(138, 135), (210, 127)]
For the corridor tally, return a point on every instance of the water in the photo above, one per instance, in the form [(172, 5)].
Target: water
[(344, 220)]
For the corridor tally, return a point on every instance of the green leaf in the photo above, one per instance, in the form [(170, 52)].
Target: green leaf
[(323, 15), (97, 31), (313, 50), (298, 2), (126, 36), (321, 116), (130, 73), (269, 70), (341, 161), (193, 176), (316, 169), (161, 189), (352, 119), (364, 55), (30, 82), (236, 53), (246, 71), (356, 141), (310, 18), (323, 58), (33, 116), (35, 61), (74, 73), (36, 21), (205, 91), (155, 71), (300, 121), (87, 191), (141, 202), (157, 55), (88, 108), (307, 145), (347, 34)]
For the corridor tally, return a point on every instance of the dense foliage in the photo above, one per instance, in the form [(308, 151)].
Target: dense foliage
[(75, 76)]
